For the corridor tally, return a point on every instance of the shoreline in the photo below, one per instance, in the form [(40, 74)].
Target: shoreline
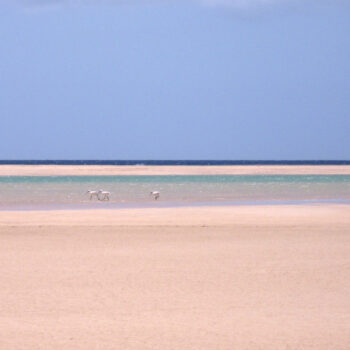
[(95, 170), (175, 216), (117, 206)]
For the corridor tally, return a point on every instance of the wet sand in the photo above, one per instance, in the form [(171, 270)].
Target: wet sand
[(51, 170), (254, 277)]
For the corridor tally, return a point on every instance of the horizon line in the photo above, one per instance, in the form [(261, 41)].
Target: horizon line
[(172, 162)]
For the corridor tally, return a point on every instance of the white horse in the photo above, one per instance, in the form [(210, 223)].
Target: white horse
[(93, 193), (105, 195), (155, 194)]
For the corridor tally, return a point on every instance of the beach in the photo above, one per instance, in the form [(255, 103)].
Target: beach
[(215, 277), (109, 170)]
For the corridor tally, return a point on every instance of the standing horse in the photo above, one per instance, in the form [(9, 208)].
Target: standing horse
[(155, 194), (93, 193), (105, 195)]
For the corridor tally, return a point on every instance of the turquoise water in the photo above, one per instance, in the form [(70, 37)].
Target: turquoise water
[(34, 191)]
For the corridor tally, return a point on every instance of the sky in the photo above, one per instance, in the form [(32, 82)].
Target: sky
[(137, 79)]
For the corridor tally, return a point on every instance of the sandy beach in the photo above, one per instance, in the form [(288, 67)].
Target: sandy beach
[(245, 277), (56, 170)]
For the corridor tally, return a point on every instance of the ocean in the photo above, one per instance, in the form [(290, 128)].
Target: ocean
[(67, 192), (174, 162)]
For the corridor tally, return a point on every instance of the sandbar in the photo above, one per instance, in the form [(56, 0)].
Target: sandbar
[(94, 170)]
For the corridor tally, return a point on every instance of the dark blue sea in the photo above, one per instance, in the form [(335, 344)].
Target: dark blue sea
[(177, 162)]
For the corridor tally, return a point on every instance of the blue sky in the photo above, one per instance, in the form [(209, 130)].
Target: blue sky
[(175, 80)]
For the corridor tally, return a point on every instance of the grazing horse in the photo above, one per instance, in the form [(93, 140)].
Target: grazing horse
[(105, 195), (155, 194), (93, 194)]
